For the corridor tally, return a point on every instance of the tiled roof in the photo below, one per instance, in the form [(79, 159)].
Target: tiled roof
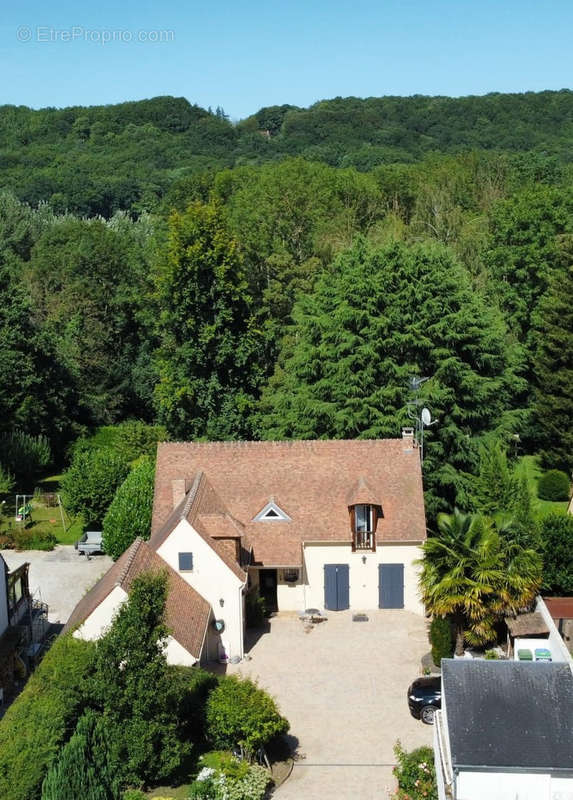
[(530, 624), (186, 612), (200, 504), (559, 607), (313, 479)]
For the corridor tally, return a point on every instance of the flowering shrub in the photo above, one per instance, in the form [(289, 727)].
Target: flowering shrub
[(233, 780), (415, 774)]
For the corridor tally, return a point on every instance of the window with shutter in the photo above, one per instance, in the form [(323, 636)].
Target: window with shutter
[(185, 562)]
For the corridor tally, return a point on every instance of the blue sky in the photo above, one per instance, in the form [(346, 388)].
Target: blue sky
[(245, 55)]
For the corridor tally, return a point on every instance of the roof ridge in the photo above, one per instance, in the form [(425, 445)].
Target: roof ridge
[(192, 495), (277, 442), (132, 552)]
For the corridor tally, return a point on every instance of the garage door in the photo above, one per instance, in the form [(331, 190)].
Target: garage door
[(336, 587), (391, 585)]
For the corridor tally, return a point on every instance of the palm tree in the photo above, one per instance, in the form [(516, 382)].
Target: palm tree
[(472, 575)]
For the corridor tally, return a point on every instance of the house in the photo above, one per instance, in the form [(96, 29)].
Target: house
[(187, 614), (307, 524), (16, 624), (561, 610), (504, 731)]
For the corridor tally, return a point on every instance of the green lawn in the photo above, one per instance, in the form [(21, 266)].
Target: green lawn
[(45, 518), (529, 466)]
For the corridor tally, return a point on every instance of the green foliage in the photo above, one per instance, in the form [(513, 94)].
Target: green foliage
[(6, 480), (129, 514), (24, 455), (495, 486), (380, 316), (415, 773), (136, 438), (207, 358), (90, 483), (81, 769), (553, 485), (191, 688), (132, 688), (133, 794), (441, 639), (225, 777), (29, 538), (226, 763), (553, 368), (473, 575), (557, 542), (239, 714), (255, 610), (39, 721)]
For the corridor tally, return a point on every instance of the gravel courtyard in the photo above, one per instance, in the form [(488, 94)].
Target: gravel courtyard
[(343, 687), (59, 577)]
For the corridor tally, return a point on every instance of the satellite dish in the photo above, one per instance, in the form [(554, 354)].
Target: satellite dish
[(426, 416)]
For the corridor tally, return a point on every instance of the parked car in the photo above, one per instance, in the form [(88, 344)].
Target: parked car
[(424, 697), (91, 542)]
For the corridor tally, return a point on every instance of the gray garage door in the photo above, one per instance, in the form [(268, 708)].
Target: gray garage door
[(391, 585), (336, 587)]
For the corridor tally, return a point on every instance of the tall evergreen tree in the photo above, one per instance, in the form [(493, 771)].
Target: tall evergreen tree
[(207, 357), (381, 316), (494, 488), (553, 365)]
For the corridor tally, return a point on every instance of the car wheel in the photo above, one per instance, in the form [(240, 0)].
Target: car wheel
[(427, 715)]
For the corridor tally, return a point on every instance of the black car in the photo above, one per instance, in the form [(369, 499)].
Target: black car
[(424, 697)]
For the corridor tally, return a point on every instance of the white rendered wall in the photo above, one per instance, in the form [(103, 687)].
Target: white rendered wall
[(3, 601), (559, 650), (211, 578), (363, 577), (177, 655), (290, 596), (503, 786), (101, 618)]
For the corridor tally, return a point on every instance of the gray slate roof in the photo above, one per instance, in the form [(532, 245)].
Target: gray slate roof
[(509, 714)]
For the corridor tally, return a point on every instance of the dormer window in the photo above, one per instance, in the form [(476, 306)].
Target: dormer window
[(272, 513), (364, 518)]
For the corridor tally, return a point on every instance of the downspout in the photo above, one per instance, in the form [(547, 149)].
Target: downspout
[(242, 620)]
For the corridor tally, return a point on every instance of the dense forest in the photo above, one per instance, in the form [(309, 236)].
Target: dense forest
[(285, 276)]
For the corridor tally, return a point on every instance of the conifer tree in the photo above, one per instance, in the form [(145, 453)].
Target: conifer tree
[(553, 366)]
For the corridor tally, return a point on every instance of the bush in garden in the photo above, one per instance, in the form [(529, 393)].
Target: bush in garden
[(134, 794), (255, 610), (191, 687), (441, 639), (6, 480), (239, 714), (129, 514), (415, 773), (136, 438), (553, 485), (32, 539), (556, 533), (24, 455), (89, 485), (81, 770), (225, 777), (38, 722)]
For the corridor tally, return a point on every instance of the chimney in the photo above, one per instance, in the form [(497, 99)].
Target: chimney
[(179, 489), (408, 439)]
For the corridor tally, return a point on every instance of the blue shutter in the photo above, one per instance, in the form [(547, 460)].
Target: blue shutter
[(391, 585), (185, 562), (336, 587)]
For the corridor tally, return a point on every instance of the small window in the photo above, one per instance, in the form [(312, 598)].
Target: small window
[(364, 518), (185, 562), (290, 575), (271, 513)]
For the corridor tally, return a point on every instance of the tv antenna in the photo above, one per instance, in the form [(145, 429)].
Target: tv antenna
[(423, 417)]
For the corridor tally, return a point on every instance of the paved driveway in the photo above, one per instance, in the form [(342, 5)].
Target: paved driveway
[(343, 687), (59, 577)]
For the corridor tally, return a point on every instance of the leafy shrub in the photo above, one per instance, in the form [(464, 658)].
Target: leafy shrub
[(191, 687), (24, 455), (32, 539), (239, 714), (134, 794), (557, 545), (441, 639), (129, 514), (38, 722), (553, 485), (89, 485), (6, 480), (225, 777), (255, 610), (80, 770), (135, 439), (415, 773)]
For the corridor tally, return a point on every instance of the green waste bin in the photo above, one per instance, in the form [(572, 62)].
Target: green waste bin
[(525, 654)]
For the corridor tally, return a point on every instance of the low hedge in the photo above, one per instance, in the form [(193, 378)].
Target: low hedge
[(553, 485), (41, 719), (441, 639)]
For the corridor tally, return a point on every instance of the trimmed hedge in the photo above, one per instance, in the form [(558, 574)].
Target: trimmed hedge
[(129, 514), (41, 718), (553, 485), (441, 639)]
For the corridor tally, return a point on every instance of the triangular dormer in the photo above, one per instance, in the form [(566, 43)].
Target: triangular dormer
[(272, 513)]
